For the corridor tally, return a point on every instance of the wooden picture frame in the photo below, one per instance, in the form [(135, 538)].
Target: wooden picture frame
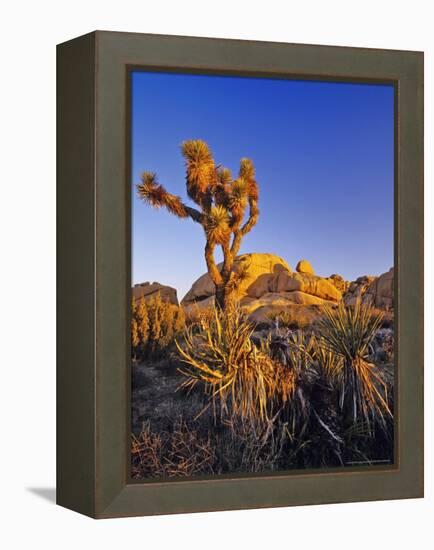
[(93, 378)]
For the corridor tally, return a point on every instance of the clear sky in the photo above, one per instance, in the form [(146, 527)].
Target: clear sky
[(323, 154)]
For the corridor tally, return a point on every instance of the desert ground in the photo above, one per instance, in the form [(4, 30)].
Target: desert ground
[(297, 404)]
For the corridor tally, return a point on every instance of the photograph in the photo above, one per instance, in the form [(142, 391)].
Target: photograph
[(226, 235), (262, 267)]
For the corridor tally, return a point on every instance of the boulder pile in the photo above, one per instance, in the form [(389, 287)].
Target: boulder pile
[(269, 286)]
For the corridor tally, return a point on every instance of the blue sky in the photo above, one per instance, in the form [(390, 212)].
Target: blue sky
[(323, 154)]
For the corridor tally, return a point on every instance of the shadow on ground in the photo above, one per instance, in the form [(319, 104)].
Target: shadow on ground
[(47, 493)]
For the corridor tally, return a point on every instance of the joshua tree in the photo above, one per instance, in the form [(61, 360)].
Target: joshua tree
[(222, 202)]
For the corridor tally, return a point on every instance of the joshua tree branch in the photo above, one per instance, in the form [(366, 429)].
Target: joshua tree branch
[(250, 223), (153, 193), (194, 214), (228, 260), (236, 242), (211, 265)]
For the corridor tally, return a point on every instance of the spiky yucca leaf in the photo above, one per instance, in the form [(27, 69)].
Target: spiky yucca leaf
[(217, 225), (241, 379), (329, 362), (349, 332), (239, 276)]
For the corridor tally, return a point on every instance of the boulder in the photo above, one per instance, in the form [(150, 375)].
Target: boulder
[(339, 282), (274, 299), (281, 300), (357, 289), (302, 315), (257, 267), (302, 298), (269, 282), (375, 291), (303, 308), (261, 286), (380, 292), (304, 266), (309, 284), (150, 290)]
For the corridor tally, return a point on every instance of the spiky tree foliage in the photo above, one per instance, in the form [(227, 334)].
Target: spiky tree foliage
[(222, 201)]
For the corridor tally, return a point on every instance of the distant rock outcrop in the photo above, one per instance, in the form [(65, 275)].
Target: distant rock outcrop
[(357, 289), (375, 291), (150, 290)]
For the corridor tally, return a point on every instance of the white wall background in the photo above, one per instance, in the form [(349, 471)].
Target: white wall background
[(29, 32)]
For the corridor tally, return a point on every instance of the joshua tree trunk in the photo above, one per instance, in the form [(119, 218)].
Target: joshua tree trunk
[(224, 296), (223, 202)]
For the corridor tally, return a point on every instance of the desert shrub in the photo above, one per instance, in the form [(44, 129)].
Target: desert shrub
[(195, 314), (181, 452), (310, 415), (348, 332), (293, 317), (296, 399), (383, 346), (240, 379), (251, 447), (154, 326)]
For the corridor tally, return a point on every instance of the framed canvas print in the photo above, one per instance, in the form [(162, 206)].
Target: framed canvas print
[(240, 274)]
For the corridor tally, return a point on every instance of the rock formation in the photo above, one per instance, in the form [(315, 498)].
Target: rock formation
[(339, 282), (269, 285), (375, 291), (258, 270), (304, 266), (150, 290)]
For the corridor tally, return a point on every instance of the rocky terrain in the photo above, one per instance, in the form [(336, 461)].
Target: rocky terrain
[(171, 420), (375, 291), (270, 286)]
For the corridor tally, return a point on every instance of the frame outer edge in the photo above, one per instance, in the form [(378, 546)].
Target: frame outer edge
[(115, 496), (75, 409)]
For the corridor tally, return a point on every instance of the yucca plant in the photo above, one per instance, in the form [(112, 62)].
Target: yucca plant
[(222, 202), (348, 332), (240, 379)]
